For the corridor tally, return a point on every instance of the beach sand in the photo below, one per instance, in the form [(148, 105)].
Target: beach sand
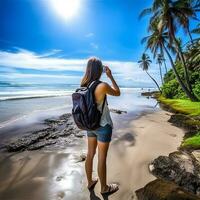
[(57, 175)]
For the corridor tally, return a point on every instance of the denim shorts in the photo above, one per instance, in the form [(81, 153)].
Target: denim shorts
[(103, 133)]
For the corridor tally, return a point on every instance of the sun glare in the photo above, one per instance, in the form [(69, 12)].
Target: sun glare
[(67, 9)]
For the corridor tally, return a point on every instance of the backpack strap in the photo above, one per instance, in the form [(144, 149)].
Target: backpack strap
[(104, 101), (92, 86), (95, 82)]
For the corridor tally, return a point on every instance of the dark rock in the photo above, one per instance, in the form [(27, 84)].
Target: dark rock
[(41, 144), (117, 111), (185, 121), (49, 121), (152, 94), (64, 126), (79, 134), (42, 130), (65, 116), (164, 190), (82, 157), (179, 167), (25, 141), (53, 135), (64, 133)]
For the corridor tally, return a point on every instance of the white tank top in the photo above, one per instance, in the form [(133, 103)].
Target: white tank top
[(105, 117)]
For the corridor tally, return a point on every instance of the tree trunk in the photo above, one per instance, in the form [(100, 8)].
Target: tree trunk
[(154, 81), (184, 88), (180, 53), (190, 35), (165, 66), (160, 73), (163, 55)]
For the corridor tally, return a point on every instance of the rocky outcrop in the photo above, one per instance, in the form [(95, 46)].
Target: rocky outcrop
[(55, 129), (64, 126), (179, 167), (152, 94), (187, 122), (164, 190), (179, 173)]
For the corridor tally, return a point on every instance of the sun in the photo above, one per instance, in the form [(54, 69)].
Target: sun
[(66, 9)]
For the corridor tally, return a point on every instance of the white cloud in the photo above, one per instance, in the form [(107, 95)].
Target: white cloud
[(89, 35), (20, 75), (125, 72), (30, 60), (94, 45)]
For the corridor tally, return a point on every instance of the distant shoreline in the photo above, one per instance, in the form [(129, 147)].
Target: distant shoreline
[(31, 94), (30, 97)]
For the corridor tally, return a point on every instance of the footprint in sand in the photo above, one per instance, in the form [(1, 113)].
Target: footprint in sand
[(59, 178), (172, 134), (60, 195)]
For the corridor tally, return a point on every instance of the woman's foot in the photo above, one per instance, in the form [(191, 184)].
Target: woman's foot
[(110, 189), (92, 184)]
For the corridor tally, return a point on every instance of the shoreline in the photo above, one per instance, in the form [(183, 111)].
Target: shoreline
[(170, 170), (138, 149), (131, 172)]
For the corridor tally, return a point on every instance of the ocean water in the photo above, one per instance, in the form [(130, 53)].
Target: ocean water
[(21, 104)]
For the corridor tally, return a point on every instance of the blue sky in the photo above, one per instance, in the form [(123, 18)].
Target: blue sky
[(36, 42)]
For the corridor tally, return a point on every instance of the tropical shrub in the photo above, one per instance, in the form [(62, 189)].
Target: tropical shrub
[(196, 89), (171, 88)]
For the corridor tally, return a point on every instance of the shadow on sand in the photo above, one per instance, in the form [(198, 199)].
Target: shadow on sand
[(94, 197)]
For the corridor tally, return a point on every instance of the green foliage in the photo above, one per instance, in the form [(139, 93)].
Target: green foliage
[(195, 77), (196, 89), (169, 76), (166, 17), (171, 88), (184, 106), (192, 142)]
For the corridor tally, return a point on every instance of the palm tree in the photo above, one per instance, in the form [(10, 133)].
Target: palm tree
[(164, 61), (168, 15), (189, 8), (159, 62), (144, 64), (159, 41), (193, 55)]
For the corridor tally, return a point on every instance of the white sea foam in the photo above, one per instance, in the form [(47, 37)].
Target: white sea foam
[(15, 95), (29, 94)]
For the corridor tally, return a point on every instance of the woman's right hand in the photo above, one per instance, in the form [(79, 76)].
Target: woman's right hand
[(114, 90), (108, 72)]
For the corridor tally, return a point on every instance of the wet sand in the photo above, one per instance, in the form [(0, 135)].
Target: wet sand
[(49, 175)]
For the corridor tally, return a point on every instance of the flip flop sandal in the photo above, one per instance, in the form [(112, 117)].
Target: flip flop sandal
[(112, 188), (93, 184)]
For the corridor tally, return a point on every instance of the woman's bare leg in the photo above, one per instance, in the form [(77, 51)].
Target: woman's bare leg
[(92, 144), (102, 155)]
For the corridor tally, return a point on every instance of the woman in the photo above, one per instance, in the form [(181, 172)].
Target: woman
[(102, 136)]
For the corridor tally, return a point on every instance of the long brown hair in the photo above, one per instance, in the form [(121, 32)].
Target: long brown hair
[(93, 71)]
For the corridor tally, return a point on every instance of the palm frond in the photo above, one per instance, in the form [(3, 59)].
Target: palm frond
[(144, 40), (145, 12)]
